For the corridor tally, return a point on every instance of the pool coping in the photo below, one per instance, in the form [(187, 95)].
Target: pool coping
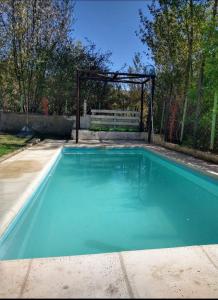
[(28, 193), (196, 164), (129, 287), (183, 162)]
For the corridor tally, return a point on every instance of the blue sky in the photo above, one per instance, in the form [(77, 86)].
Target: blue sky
[(111, 25)]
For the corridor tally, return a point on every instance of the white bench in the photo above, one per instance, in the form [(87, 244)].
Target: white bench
[(115, 118)]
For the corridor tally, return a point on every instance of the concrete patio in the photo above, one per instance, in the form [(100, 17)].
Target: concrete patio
[(189, 272), (183, 272)]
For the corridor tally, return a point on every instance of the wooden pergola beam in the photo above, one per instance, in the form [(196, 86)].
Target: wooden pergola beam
[(111, 80)]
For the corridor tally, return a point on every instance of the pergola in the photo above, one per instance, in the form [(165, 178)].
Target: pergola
[(119, 77)]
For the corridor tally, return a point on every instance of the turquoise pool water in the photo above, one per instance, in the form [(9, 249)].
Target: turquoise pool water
[(97, 200)]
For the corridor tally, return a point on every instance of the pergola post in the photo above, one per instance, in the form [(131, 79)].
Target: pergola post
[(77, 106), (142, 107), (150, 114)]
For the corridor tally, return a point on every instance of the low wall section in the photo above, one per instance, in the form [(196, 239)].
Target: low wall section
[(107, 135), (207, 156), (44, 125)]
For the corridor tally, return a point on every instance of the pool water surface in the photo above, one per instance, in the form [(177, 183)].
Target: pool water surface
[(106, 200)]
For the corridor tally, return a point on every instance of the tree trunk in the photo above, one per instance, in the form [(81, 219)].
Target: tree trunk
[(215, 102), (167, 110), (199, 97), (215, 9), (188, 70), (162, 117), (213, 125)]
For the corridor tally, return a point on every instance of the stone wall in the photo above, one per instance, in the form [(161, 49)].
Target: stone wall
[(60, 126)]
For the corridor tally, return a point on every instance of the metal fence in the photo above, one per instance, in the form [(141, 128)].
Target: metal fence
[(200, 125)]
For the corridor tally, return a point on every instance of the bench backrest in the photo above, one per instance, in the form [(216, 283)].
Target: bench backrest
[(115, 118)]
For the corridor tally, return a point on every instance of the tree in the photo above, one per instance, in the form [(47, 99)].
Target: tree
[(39, 57), (181, 36), (34, 30)]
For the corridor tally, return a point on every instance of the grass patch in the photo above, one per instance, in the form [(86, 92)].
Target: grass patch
[(10, 143)]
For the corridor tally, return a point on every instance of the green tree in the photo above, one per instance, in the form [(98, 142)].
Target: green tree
[(181, 36)]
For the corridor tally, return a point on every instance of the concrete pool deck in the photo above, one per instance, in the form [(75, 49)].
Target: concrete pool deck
[(183, 272), (20, 175)]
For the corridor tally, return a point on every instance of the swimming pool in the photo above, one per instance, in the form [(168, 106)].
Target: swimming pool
[(105, 200)]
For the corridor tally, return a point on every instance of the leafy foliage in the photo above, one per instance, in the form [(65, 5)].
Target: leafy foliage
[(38, 57), (182, 38)]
